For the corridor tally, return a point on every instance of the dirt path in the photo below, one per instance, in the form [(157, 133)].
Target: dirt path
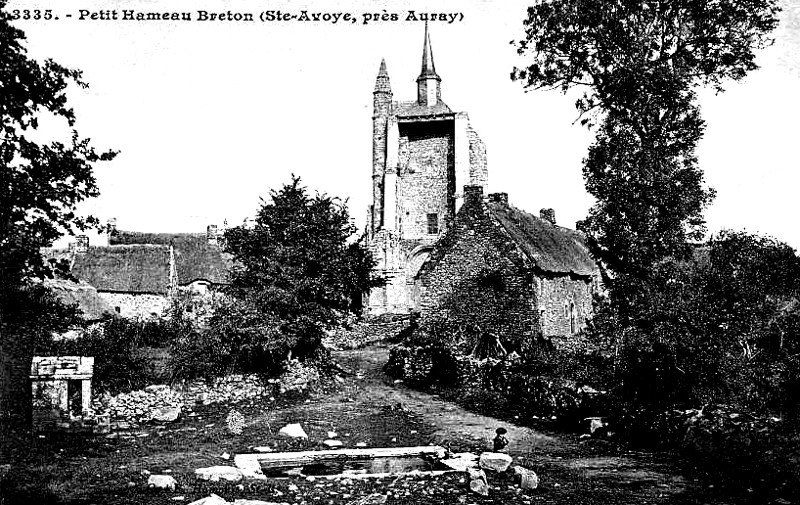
[(576, 471)]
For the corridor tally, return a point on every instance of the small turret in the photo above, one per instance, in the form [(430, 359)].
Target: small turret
[(383, 91), (428, 82)]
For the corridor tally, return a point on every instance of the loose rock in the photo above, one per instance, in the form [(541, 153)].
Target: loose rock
[(162, 482), (332, 443), (527, 478), (293, 431), (166, 414), (210, 500), (217, 473), (495, 461)]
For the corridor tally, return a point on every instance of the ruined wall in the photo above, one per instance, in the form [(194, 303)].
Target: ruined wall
[(478, 171), (426, 185), (564, 305), (136, 305)]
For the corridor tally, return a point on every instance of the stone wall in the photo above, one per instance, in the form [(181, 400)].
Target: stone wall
[(426, 177), (475, 264), (136, 305), (565, 303)]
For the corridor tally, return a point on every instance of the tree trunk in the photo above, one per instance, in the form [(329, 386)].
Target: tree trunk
[(16, 355)]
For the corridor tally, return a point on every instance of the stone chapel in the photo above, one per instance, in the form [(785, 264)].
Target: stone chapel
[(437, 234), (423, 154)]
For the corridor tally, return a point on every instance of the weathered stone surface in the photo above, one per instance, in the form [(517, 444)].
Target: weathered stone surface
[(479, 486), (210, 500), (461, 461), (162, 482), (527, 478), (217, 473), (293, 431), (155, 388), (167, 414), (476, 474), (495, 461)]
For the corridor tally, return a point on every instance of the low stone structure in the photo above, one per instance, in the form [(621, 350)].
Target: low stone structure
[(62, 390)]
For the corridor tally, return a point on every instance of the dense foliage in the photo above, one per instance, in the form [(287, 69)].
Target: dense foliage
[(40, 187), (295, 272), (637, 64)]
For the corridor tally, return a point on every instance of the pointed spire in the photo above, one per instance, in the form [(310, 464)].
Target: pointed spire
[(428, 68), (382, 84)]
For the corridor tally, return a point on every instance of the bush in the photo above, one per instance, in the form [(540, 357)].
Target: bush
[(115, 344)]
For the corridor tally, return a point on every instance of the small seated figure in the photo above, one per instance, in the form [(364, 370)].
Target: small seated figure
[(500, 441)]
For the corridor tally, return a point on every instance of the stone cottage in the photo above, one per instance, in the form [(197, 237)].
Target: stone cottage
[(139, 274), (492, 245), (423, 152)]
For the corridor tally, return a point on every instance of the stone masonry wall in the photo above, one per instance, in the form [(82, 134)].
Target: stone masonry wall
[(463, 260), (136, 306), (478, 172), (557, 297), (426, 156)]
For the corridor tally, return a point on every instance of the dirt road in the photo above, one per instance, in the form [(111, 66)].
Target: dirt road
[(572, 470)]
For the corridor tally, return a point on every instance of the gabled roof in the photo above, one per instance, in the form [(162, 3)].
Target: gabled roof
[(81, 294), (195, 258), (125, 268), (551, 248)]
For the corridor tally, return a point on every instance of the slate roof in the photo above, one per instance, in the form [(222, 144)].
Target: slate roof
[(550, 247), (125, 268), (414, 109), (81, 294)]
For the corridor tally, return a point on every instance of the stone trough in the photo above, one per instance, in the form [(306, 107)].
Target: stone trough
[(347, 463)]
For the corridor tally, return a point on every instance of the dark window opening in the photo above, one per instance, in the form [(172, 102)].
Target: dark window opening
[(117, 309), (75, 397), (433, 224), (573, 323)]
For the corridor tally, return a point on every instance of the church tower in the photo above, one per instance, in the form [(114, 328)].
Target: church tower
[(422, 153)]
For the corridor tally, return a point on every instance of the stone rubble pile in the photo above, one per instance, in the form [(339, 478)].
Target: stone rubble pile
[(162, 403), (138, 406)]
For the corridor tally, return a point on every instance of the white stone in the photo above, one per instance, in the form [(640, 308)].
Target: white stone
[(332, 434), (217, 473), (495, 461), (293, 431), (332, 443), (461, 461), (263, 448), (479, 486), (476, 474), (162, 482), (528, 478), (166, 414), (210, 500)]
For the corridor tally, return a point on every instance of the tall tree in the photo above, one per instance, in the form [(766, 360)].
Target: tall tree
[(296, 269), (40, 187), (638, 63)]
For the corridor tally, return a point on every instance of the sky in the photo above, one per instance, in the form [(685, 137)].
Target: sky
[(208, 116)]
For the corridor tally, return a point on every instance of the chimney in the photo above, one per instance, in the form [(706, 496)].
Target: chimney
[(211, 234), (473, 194), (548, 215), (499, 198), (81, 244)]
